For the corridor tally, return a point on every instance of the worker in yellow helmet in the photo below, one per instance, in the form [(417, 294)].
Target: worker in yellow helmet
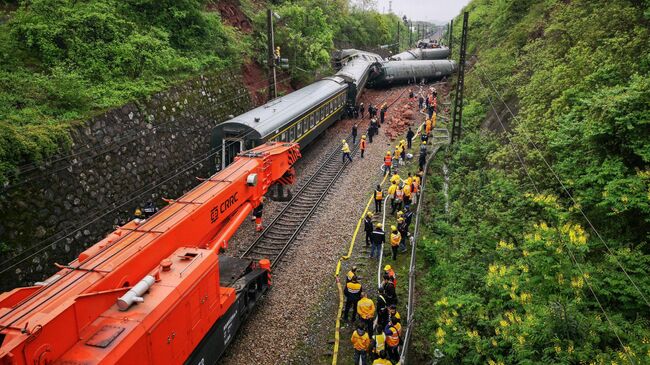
[(377, 238), (395, 239), (346, 151)]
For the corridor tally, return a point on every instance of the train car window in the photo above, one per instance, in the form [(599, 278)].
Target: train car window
[(283, 137), (298, 129), (312, 120), (292, 133)]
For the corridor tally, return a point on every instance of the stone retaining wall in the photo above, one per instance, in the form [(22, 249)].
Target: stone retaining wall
[(143, 151)]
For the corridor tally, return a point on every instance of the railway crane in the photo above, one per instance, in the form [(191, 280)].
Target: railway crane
[(154, 291)]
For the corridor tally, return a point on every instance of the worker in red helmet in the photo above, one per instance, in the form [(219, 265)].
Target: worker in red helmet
[(257, 214)]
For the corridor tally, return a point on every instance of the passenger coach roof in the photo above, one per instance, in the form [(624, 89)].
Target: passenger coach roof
[(275, 114), (354, 70)]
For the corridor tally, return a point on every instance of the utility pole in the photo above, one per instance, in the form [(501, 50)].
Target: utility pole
[(398, 26), (451, 32), (273, 87), (457, 116)]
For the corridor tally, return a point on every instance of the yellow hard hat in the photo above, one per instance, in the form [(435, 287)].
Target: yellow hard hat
[(138, 212), (388, 153), (378, 225), (400, 213), (387, 267), (363, 137), (343, 141), (369, 214), (393, 228), (400, 219), (424, 142)]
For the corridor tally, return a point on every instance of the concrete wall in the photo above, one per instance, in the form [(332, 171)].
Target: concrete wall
[(119, 160)]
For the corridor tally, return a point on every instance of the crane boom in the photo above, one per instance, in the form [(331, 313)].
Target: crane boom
[(153, 291)]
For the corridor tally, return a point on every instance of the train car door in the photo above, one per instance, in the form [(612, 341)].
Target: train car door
[(229, 149)]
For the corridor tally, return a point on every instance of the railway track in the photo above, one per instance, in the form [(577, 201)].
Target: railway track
[(282, 231)]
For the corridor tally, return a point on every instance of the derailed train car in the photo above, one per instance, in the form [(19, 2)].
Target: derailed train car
[(394, 72), (355, 73), (422, 54)]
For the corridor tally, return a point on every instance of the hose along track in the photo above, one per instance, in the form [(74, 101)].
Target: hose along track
[(278, 236)]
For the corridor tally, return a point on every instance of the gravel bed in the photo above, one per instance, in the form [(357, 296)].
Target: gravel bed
[(282, 330)]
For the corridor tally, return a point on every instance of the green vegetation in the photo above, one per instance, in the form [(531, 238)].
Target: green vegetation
[(510, 269), (63, 60), (308, 31)]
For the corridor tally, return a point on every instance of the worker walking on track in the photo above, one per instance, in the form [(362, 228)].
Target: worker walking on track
[(379, 197), (367, 227), (391, 193), (388, 162), (346, 151), (377, 238), (366, 311), (360, 342), (362, 145), (395, 239), (355, 130), (257, 215), (352, 296), (388, 271), (398, 200)]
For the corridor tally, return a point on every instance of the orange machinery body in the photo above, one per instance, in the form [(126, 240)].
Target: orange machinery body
[(73, 317)]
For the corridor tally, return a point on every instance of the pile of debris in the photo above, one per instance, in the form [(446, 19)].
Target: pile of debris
[(399, 118)]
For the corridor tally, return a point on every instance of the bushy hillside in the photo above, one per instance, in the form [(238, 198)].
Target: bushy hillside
[(60, 60), (63, 60), (515, 274)]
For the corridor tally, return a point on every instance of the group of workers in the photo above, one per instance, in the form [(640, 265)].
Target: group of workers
[(373, 129), (378, 333)]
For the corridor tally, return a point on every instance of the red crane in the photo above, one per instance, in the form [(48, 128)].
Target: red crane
[(153, 291)]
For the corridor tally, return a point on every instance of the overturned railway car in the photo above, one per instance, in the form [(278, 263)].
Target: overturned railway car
[(383, 74), (355, 73), (422, 54)]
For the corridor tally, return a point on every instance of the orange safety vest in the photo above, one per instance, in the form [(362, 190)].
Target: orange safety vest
[(395, 239), (393, 339), (399, 194), (362, 144), (379, 195), (360, 342), (388, 160)]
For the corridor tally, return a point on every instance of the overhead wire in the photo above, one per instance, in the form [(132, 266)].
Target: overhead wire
[(557, 178), (572, 255)]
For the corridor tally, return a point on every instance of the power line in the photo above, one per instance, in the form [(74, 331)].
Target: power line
[(574, 261), (575, 203)]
